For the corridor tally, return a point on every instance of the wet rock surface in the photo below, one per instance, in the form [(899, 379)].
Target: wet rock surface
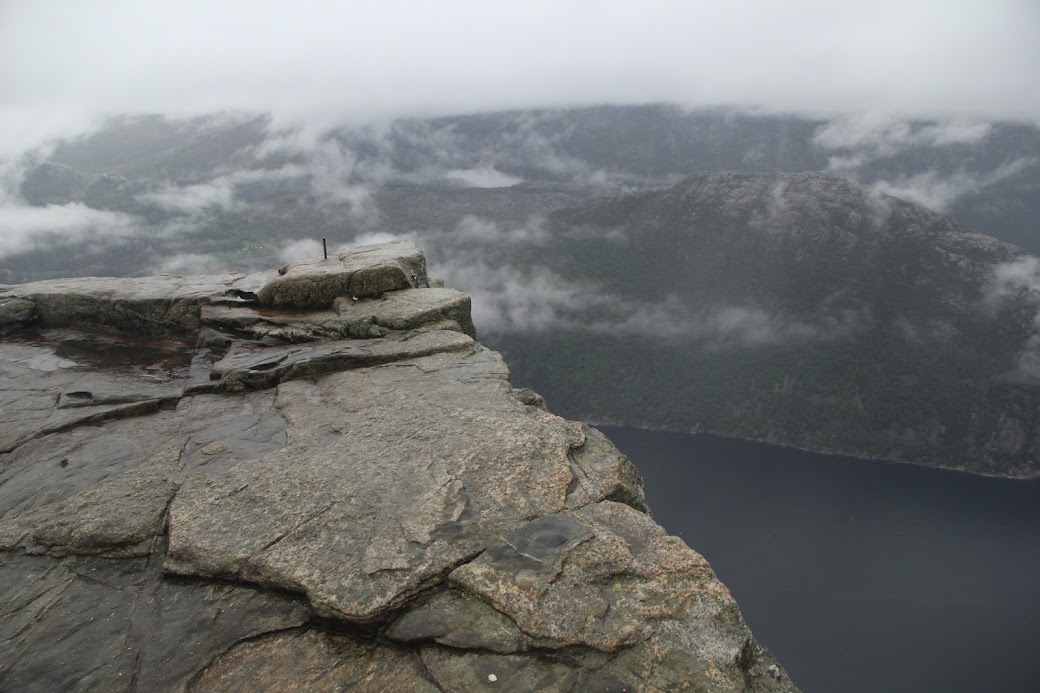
[(160, 305), (319, 481), (367, 272)]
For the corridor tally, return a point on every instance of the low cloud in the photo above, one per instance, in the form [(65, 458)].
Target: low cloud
[(616, 234), (536, 142), (1016, 278), (192, 199), (418, 152), (857, 142), (1019, 281), (933, 330), (724, 326), (473, 237), (297, 250), (939, 192), (337, 175), (482, 177), (24, 227), (871, 136), (191, 264), (28, 228), (477, 230), (375, 237), (313, 247), (507, 298), (219, 192)]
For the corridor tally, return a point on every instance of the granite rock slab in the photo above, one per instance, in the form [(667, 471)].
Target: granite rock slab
[(318, 481)]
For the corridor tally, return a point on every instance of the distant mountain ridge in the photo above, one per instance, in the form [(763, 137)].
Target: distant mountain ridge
[(795, 308), (210, 177)]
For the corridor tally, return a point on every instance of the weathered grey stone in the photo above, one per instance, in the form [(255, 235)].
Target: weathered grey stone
[(362, 273), (601, 471), (122, 468), (388, 514), (220, 431), (63, 420), (481, 672), (409, 309), (607, 577), (423, 460), (256, 323), (120, 515), (15, 311), (406, 309), (42, 474), (305, 660), (660, 665), (254, 369), (42, 392), (462, 621), (529, 397), (45, 604), (597, 577), (160, 305), (114, 625), (117, 517)]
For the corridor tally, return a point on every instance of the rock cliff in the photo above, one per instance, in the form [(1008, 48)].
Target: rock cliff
[(318, 480)]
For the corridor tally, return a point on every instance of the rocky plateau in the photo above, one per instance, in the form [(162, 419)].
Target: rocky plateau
[(316, 479)]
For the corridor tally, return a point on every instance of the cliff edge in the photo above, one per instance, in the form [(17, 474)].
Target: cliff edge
[(317, 479)]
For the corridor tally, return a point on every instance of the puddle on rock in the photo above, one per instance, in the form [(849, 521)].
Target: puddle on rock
[(70, 348)]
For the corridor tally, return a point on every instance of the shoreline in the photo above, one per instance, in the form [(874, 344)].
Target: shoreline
[(861, 457)]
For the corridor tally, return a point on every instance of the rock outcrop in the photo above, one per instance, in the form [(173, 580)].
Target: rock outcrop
[(319, 480)]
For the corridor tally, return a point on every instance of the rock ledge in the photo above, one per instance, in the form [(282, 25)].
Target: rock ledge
[(318, 480)]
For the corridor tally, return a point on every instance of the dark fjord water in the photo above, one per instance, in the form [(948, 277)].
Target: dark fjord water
[(859, 576)]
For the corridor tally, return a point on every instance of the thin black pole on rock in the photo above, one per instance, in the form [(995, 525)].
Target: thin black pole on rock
[(325, 248)]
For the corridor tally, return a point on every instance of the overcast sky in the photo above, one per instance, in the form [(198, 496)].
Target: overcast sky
[(64, 62)]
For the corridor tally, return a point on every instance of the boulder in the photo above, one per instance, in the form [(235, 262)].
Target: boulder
[(366, 272), (15, 312)]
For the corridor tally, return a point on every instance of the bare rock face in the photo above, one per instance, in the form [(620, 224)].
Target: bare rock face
[(366, 272), (14, 311), (320, 481), (310, 660), (436, 308), (246, 368), (409, 310), (152, 306)]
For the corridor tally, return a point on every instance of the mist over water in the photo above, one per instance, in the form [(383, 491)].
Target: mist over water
[(859, 576)]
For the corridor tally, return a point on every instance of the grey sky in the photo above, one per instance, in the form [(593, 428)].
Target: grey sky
[(64, 62)]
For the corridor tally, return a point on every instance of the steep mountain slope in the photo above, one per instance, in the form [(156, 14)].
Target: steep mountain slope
[(796, 308)]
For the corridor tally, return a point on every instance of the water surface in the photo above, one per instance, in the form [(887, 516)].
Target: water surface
[(859, 575)]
